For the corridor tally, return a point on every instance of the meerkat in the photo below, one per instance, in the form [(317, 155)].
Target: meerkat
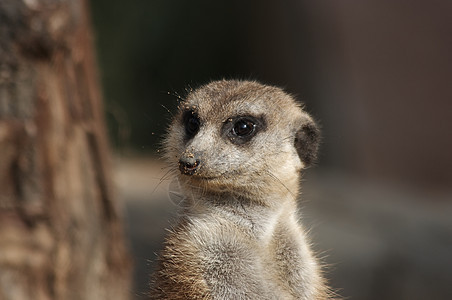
[(239, 148)]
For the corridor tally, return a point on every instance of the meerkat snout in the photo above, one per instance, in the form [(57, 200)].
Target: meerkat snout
[(189, 163), (188, 166)]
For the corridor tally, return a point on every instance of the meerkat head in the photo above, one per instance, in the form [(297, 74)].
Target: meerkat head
[(240, 137)]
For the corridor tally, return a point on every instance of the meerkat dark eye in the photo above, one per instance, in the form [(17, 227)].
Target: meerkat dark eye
[(243, 127), (191, 123)]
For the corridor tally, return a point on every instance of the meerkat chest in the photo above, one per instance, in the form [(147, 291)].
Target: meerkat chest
[(232, 260), (241, 258)]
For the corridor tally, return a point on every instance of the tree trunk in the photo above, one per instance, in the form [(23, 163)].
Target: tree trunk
[(60, 227)]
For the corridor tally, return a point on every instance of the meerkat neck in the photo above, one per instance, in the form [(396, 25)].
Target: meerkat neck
[(256, 217)]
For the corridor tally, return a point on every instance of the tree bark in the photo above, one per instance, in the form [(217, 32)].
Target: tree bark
[(60, 226)]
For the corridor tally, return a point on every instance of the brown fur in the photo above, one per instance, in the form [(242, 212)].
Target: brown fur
[(239, 235)]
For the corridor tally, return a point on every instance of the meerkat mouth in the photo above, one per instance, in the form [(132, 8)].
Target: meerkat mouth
[(196, 177), (206, 181)]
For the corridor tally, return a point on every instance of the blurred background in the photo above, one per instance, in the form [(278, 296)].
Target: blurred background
[(376, 74)]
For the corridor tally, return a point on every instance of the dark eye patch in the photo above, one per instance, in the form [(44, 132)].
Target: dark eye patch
[(241, 129), (191, 123)]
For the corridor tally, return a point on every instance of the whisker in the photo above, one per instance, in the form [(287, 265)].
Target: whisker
[(162, 179), (167, 110), (174, 194), (282, 183)]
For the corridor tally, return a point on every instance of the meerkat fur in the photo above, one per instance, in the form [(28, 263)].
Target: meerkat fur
[(239, 147)]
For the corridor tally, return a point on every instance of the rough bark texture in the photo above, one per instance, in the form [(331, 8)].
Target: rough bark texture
[(60, 231)]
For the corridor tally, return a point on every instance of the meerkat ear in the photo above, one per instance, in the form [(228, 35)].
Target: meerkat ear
[(307, 140)]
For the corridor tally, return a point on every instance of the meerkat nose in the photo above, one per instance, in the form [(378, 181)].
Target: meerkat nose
[(188, 165)]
